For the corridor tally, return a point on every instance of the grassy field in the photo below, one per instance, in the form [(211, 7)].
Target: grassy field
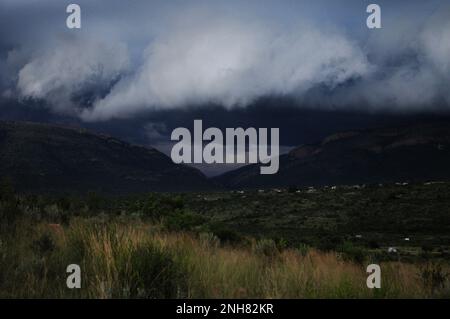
[(137, 260), (309, 243)]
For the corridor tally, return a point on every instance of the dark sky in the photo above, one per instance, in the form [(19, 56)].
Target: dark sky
[(139, 69)]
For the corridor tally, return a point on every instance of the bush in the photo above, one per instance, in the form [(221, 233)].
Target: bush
[(155, 274), (433, 276), (94, 201), (281, 243), (182, 221), (226, 235), (352, 253), (157, 206), (373, 244)]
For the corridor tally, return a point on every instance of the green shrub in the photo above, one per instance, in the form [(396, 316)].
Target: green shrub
[(180, 220), (433, 276), (281, 243), (352, 253), (155, 274), (94, 201), (225, 234), (157, 206)]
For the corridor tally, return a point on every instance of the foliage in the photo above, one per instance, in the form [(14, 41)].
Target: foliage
[(433, 276)]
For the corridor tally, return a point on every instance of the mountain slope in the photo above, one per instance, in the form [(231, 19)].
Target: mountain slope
[(410, 153), (45, 158)]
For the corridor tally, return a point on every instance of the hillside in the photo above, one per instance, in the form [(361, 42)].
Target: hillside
[(409, 153), (46, 158)]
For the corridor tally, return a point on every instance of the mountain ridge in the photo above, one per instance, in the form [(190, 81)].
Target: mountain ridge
[(44, 158), (417, 152), (39, 157)]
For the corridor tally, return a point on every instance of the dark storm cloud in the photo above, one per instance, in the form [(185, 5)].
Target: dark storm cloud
[(160, 55)]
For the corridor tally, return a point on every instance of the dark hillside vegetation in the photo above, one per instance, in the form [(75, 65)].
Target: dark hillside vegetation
[(42, 158)]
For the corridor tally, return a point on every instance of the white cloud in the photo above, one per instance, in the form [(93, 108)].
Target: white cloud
[(231, 63), (59, 71)]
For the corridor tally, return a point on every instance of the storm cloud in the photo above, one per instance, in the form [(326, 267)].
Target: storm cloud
[(155, 55), (232, 64), (57, 74)]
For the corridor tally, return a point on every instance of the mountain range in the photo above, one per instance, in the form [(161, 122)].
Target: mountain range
[(43, 158), (46, 158), (412, 153)]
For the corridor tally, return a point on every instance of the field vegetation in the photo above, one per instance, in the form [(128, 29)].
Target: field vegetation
[(272, 244)]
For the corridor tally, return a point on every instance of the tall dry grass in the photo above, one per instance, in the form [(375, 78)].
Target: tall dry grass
[(132, 259)]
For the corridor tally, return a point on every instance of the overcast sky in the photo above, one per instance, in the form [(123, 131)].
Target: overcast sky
[(146, 61)]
